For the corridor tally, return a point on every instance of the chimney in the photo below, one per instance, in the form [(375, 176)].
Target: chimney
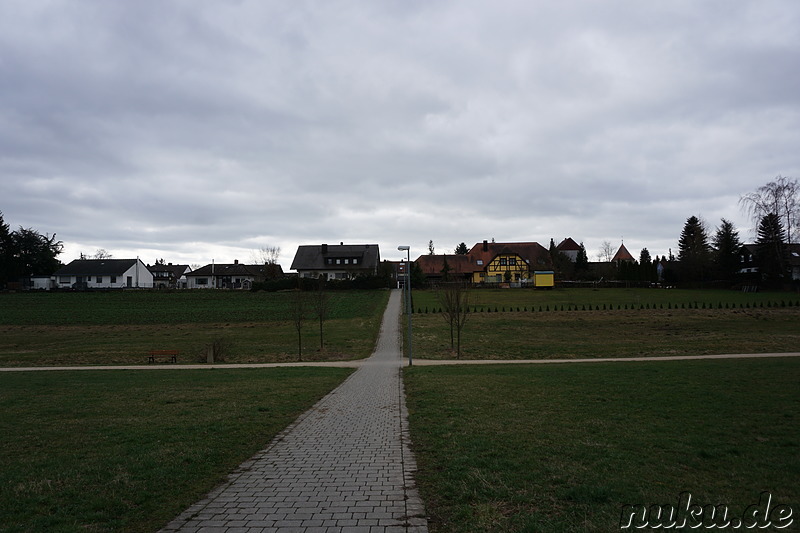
[(341, 243), (235, 261), (324, 249), (485, 246)]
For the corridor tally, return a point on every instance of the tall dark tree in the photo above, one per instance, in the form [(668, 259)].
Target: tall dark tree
[(562, 266), (647, 268), (771, 248), (581, 261), (6, 252), (694, 252), (726, 250), (461, 249)]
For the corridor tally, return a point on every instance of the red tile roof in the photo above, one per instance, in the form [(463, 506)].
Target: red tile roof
[(623, 254)]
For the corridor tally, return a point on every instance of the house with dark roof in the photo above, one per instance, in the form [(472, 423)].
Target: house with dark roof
[(169, 276), (104, 274), (342, 261), (234, 275), (570, 248), (497, 262), (489, 262)]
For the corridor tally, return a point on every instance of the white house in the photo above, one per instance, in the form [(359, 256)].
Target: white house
[(104, 274)]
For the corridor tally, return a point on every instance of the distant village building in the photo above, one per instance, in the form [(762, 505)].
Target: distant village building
[(622, 255), (342, 261), (491, 262), (169, 276), (104, 274), (231, 275), (570, 248)]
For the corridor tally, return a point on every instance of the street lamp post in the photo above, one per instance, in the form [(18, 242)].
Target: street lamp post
[(407, 295)]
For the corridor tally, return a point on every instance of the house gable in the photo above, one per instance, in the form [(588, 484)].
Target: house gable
[(104, 274), (343, 261)]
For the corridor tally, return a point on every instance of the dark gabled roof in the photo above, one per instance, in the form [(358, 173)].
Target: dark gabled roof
[(176, 270), (479, 257), (313, 257), (532, 252), (432, 265), (96, 267), (568, 245), (234, 269)]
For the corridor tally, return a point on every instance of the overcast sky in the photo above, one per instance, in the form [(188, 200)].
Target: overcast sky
[(204, 130)]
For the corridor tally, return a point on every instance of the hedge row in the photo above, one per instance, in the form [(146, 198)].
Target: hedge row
[(611, 307)]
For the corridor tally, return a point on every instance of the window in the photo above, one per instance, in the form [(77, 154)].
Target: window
[(330, 261), (202, 281), (512, 261), (113, 279), (346, 261), (99, 279), (355, 261), (479, 262), (503, 261), (338, 261), (64, 279)]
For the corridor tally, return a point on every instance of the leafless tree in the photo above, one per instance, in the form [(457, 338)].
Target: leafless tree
[(298, 312), (268, 256), (101, 253), (781, 197), (321, 305), (606, 252), (455, 299)]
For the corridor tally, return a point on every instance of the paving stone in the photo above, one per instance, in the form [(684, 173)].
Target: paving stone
[(344, 465)]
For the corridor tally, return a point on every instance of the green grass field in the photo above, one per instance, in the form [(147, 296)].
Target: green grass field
[(130, 450), (121, 327), (564, 447), (529, 324), (532, 299)]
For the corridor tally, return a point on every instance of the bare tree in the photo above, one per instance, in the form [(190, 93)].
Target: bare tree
[(321, 305), (101, 253), (298, 312), (781, 197), (606, 252), (455, 299), (268, 256)]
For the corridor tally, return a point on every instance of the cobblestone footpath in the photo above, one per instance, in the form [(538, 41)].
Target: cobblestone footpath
[(343, 466)]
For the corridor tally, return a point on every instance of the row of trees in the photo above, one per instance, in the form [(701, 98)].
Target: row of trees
[(775, 211), (25, 252)]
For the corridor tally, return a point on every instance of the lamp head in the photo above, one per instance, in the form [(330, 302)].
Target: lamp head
[(403, 248)]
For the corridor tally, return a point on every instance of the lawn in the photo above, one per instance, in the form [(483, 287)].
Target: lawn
[(585, 323), (563, 447), (120, 327), (129, 450)]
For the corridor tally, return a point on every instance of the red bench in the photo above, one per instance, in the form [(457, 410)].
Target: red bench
[(167, 355)]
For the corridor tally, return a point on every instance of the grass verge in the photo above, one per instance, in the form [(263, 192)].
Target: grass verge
[(564, 447), (128, 451)]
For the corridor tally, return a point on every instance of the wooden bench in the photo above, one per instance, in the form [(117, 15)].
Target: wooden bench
[(167, 355)]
